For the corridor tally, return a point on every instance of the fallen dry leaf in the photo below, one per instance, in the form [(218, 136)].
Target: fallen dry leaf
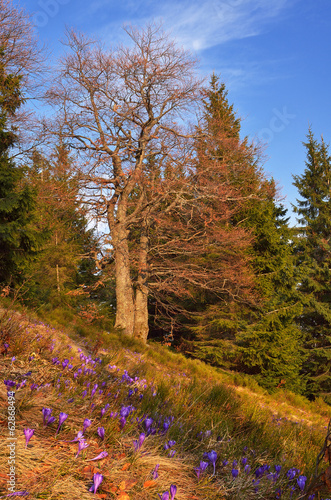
[(123, 496), (150, 484)]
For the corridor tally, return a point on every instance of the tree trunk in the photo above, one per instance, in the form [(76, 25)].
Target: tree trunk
[(124, 290), (141, 302)]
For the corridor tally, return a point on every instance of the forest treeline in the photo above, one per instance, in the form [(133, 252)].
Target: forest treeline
[(135, 198)]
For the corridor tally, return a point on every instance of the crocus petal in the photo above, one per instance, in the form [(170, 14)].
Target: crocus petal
[(101, 455)]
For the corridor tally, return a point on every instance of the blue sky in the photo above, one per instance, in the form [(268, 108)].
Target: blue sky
[(273, 55)]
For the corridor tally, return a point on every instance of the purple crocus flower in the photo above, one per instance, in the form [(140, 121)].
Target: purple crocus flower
[(235, 473), (259, 472), (46, 415), (125, 411), (9, 384), (94, 390), (97, 480), (28, 435), (147, 423), (212, 456), (137, 444), (247, 468), (122, 422), (79, 436), (101, 455), (101, 432), (165, 495), (173, 491), (62, 417), (278, 468), (86, 424), (203, 466), (18, 494), (82, 444), (155, 473), (301, 480), (64, 363), (291, 473)]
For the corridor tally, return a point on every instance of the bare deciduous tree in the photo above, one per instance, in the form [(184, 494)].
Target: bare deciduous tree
[(118, 109), (20, 57), (123, 111)]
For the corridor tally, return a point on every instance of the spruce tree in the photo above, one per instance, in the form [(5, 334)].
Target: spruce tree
[(258, 337), (18, 238), (64, 261), (270, 342), (313, 252)]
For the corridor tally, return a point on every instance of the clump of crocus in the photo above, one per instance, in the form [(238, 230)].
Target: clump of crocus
[(165, 495), (28, 435), (64, 363), (47, 416), (291, 473), (9, 384), (97, 480), (62, 417)]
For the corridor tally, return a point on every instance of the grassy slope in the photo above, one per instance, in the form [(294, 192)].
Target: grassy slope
[(206, 409)]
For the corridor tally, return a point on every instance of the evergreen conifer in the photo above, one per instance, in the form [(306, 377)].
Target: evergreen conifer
[(313, 253)]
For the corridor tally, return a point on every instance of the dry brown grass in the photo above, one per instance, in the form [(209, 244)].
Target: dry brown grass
[(48, 469)]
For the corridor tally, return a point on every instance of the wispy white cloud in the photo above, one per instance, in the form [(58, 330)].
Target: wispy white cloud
[(202, 25), (197, 25)]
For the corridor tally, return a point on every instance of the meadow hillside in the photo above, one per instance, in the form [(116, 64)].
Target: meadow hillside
[(134, 421)]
